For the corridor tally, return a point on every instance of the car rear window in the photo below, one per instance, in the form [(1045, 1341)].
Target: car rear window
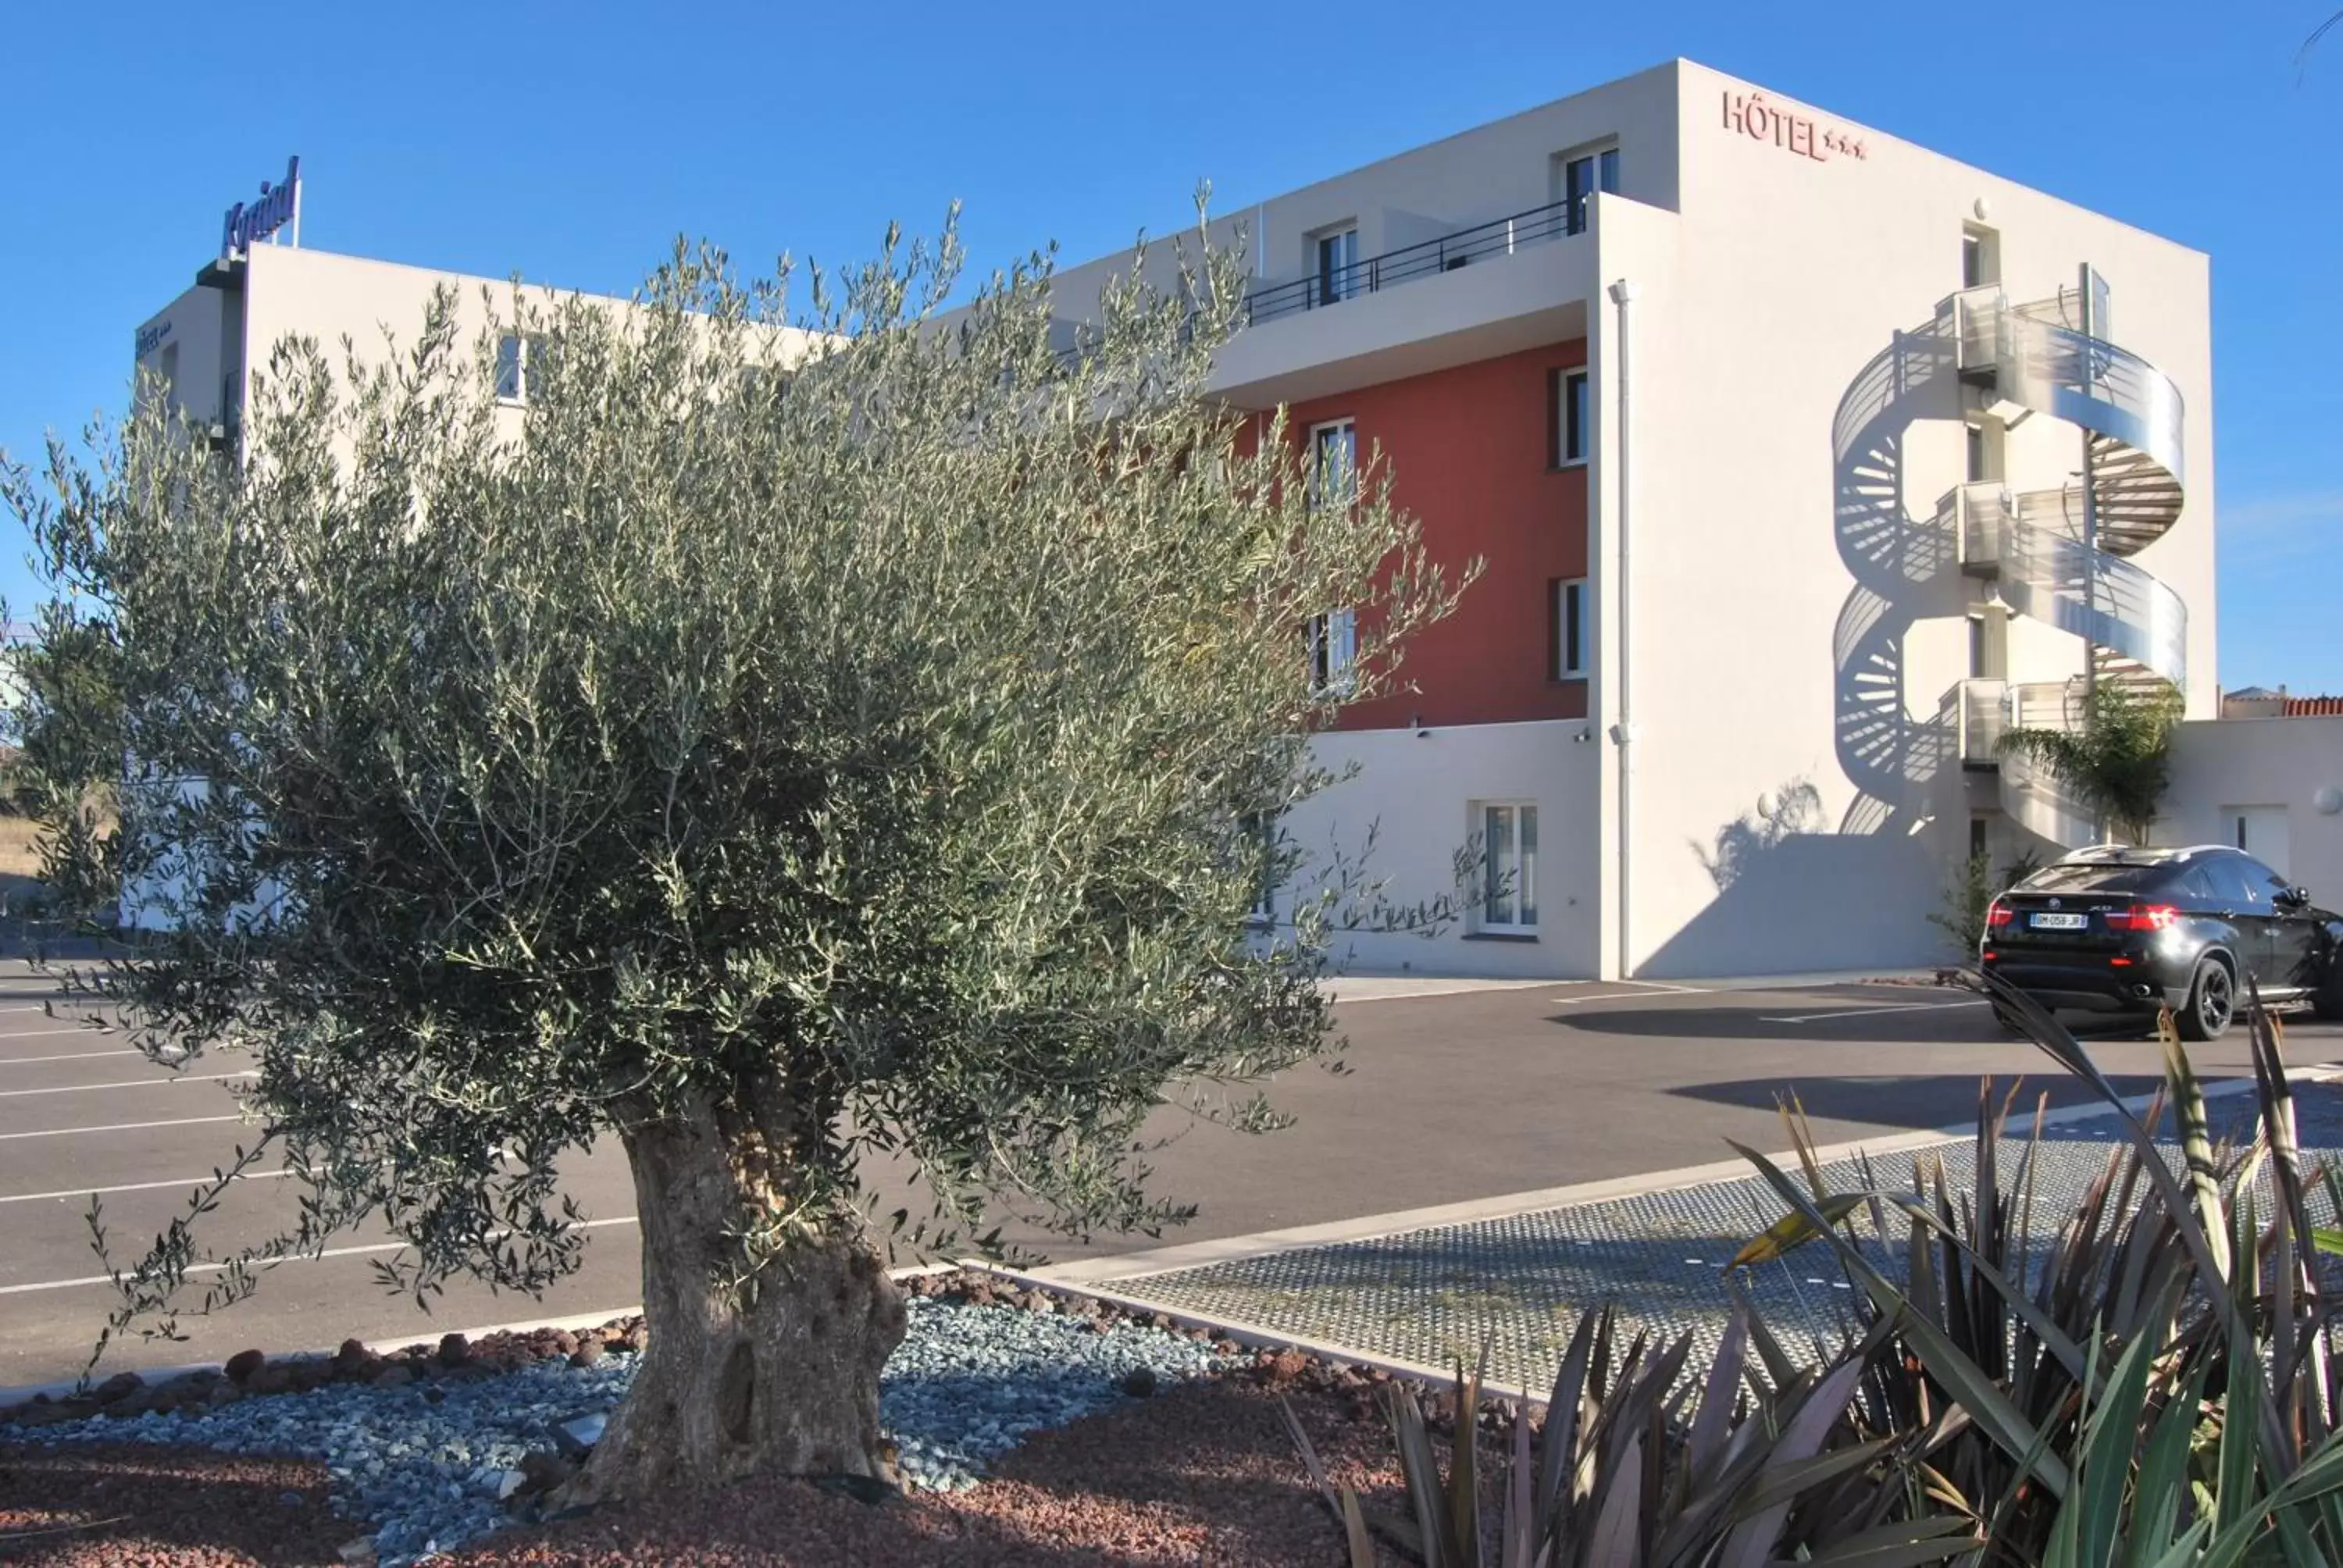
[(2094, 879)]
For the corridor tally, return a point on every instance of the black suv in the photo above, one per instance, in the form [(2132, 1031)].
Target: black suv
[(2118, 930)]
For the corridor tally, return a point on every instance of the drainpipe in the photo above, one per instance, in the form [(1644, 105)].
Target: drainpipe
[(1623, 732)]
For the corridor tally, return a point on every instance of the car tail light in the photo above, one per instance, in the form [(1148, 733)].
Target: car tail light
[(1999, 914), (2142, 918)]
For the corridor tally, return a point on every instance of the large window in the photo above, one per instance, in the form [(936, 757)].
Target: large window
[(1333, 639), (1574, 418), (1580, 178), (1508, 831), (1338, 266), (1334, 462), (1572, 650)]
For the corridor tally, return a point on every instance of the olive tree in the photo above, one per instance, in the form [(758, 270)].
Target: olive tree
[(810, 737)]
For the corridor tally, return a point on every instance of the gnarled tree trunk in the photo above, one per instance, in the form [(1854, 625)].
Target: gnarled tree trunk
[(781, 1374)]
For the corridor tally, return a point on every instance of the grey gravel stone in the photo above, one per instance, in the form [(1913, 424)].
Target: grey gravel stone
[(429, 1463)]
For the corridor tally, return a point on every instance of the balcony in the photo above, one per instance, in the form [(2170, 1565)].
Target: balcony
[(1426, 258)]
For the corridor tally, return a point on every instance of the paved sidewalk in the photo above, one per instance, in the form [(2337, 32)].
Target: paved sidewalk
[(1520, 1280)]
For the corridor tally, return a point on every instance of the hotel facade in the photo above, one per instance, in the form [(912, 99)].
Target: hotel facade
[(1800, 461)]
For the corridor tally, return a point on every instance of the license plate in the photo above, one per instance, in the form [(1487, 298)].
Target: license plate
[(2059, 922)]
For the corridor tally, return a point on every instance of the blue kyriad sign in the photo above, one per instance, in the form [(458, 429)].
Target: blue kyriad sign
[(250, 222)]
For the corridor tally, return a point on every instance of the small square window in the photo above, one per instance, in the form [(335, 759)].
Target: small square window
[(1508, 835), (1571, 652), (1573, 418)]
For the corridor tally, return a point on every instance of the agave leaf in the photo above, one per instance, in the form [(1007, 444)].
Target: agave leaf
[(1709, 1422), (1780, 1369), (1986, 1403), (1794, 1231), (1309, 1453), (1613, 1543), (2197, 1148), (1917, 1541), (1354, 1530), (1558, 1447), (1782, 1482), (1751, 1544), (2163, 1473), (1517, 1536), (2053, 1339), (2104, 1463), (1465, 1467), (1421, 1470)]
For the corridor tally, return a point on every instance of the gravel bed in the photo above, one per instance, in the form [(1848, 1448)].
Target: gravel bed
[(427, 1460)]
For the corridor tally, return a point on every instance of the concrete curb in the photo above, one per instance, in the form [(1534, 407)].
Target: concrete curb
[(1254, 1336), (25, 1394)]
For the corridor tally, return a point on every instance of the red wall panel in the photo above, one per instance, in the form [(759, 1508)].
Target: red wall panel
[(1470, 451)]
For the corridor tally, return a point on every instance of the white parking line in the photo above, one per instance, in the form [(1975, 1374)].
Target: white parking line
[(86, 1280), (135, 1083), (1867, 1011), (69, 1056), (43, 1033), (190, 1181), (1649, 986), (115, 1126)]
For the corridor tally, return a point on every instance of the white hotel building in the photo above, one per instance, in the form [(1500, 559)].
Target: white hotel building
[(1801, 459)]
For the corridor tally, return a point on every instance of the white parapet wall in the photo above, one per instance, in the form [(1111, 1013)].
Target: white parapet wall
[(2276, 783)]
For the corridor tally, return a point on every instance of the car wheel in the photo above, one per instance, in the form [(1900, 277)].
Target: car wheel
[(2212, 1003), (2326, 1002)]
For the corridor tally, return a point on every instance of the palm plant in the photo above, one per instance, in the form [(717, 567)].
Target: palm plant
[(2118, 760)]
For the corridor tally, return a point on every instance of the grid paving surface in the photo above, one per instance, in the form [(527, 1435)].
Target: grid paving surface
[(1521, 1282)]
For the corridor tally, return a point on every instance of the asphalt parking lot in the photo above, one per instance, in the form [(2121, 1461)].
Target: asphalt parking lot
[(1444, 1099)]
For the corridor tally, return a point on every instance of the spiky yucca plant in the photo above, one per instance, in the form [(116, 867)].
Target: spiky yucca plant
[(2146, 1379)]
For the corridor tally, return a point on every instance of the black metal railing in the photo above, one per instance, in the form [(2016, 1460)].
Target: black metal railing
[(1501, 237)]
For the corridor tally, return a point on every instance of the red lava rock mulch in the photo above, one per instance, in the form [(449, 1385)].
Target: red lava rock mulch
[(132, 1505), (1202, 1474)]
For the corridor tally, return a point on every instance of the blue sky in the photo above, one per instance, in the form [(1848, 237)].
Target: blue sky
[(572, 143)]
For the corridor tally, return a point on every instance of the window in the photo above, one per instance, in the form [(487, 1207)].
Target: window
[(1260, 843), (1334, 462), (1980, 256), (1574, 418), (524, 366), (1571, 653), (1338, 266), (1333, 639), (1978, 839), (1981, 452), (1980, 651), (2232, 884), (1580, 178), (1508, 831)]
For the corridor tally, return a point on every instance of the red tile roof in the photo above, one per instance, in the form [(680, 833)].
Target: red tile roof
[(2314, 707)]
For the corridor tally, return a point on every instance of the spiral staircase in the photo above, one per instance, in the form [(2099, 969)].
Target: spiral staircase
[(2063, 557)]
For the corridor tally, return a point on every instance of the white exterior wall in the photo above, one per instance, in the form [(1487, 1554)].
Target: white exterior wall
[(1758, 663), (1414, 795), (2291, 764)]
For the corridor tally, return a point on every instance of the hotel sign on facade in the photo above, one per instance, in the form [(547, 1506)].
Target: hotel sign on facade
[(1760, 121)]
